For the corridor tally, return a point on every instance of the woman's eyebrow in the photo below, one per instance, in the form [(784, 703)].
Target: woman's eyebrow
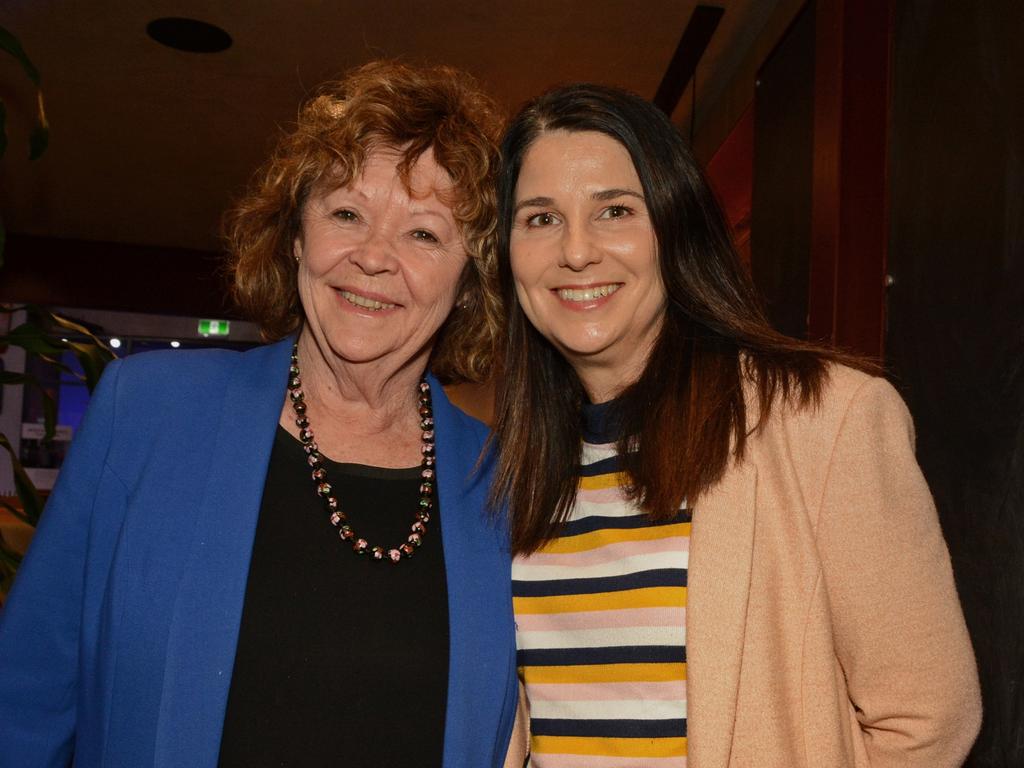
[(533, 201), (429, 210), (611, 194)]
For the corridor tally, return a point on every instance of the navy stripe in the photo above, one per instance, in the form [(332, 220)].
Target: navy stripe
[(592, 523), (659, 577), (625, 654), (609, 729), (608, 466)]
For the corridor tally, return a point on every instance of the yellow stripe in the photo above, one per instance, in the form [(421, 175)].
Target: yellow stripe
[(601, 482), (606, 536), (648, 597), (605, 673), (588, 745)]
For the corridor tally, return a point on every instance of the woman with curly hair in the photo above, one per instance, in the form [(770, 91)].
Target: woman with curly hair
[(279, 557)]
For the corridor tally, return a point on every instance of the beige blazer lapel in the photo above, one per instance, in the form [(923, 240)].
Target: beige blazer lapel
[(721, 544)]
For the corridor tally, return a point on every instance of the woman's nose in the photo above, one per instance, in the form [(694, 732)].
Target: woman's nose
[(578, 249), (375, 255)]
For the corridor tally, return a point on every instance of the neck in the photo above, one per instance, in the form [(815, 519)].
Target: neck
[(382, 391), (605, 375), (603, 382)]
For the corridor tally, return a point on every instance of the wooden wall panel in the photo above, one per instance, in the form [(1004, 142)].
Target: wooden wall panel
[(783, 158), (849, 219)]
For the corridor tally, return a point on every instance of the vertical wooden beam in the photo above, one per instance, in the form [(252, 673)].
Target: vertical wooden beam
[(849, 216), (694, 41)]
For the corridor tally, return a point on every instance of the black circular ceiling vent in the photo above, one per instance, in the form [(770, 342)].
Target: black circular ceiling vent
[(189, 35)]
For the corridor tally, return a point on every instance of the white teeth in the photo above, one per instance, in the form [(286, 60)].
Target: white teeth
[(365, 303), (588, 294)]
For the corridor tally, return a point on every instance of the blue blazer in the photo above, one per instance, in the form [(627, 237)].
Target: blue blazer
[(118, 639)]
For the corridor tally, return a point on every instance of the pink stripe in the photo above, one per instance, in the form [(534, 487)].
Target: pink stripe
[(627, 617), (596, 761), (671, 690), (602, 495), (609, 552)]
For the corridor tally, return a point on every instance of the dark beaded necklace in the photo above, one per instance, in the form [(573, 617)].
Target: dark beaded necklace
[(323, 488)]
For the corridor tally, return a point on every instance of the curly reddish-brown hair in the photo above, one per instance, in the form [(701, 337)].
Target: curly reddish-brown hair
[(381, 104)]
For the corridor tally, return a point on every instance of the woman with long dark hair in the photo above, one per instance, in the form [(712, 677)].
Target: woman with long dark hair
[(725, 551)]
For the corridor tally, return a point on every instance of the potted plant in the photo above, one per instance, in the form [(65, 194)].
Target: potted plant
[(44, 336)]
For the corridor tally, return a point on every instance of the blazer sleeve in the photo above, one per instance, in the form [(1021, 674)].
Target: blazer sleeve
[(41, 622), (899, 631)]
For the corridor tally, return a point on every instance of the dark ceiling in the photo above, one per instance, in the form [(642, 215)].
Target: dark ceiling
[(150, 144)]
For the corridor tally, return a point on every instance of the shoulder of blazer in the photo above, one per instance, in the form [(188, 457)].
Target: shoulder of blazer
[(178, 398), (840, 387)]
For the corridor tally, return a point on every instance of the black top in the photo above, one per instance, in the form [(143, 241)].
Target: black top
[(341, 660)]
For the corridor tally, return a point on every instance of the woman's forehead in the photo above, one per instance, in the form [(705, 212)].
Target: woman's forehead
[(386, 166)]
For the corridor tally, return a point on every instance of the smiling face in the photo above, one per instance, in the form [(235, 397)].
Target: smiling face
[(584, 257), (379, 267)]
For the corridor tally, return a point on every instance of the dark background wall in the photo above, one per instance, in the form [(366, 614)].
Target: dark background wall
[(956, 314), (949, 88), (780, 227)]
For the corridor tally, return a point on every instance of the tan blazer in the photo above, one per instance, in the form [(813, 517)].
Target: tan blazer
[(823, 626)]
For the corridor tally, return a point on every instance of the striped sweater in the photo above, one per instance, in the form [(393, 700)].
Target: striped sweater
[(601, 627)]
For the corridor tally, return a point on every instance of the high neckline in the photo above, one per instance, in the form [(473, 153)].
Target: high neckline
[(602, 422)]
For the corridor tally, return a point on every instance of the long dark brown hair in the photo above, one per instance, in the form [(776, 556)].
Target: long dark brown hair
[(685, 417)]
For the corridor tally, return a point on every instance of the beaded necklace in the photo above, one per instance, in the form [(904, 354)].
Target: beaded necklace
[(323, 488)]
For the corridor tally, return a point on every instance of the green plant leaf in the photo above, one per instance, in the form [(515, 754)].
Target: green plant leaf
[(15, 511), (9, 558), (31, 502), (92, 354), (76, 327), (11, 44), (49, 416), (11, 377), (49, 404), (93, 360), (9, 562), (35, 339)]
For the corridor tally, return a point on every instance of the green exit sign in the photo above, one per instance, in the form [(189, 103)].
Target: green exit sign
[(214, 327)]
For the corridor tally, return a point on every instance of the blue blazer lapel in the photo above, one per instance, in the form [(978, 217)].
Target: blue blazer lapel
[(208, 608), (482, 662)]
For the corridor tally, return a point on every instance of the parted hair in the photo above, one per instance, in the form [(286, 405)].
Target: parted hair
[(383, 104), (716, 357)]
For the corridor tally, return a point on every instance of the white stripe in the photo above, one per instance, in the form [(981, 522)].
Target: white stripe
[(605, 637), (523, 571), (591, 453), (620, 507), (630, 709)]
